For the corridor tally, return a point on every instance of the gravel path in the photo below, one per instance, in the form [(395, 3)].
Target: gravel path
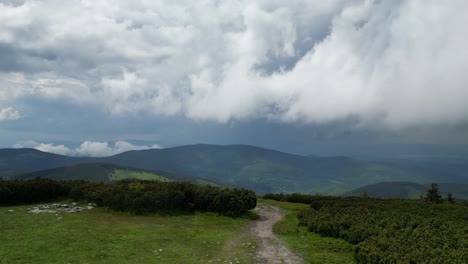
[(270, 248)]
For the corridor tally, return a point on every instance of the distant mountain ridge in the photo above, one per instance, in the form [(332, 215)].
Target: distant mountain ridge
[(260, 169), (104, 172), (408, 190)]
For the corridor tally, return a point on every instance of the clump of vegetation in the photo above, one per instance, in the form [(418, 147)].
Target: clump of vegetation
[(31, 191), (139, 197), (389, 230), (433, 194)]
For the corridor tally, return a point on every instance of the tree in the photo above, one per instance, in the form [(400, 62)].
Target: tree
[(450, 198), (433, 194)]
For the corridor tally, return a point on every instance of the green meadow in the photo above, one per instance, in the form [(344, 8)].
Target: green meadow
[(103, 236), (128, 174)]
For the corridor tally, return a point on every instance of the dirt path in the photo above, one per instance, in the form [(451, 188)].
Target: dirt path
[(270, 248)]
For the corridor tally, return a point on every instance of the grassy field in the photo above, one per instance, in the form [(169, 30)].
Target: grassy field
[(312, 247), (101, 236), (125, 174)]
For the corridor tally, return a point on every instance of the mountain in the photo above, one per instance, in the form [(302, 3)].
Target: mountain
[(390, 190), (18, 161), (408, 190), (257, 168), (107, 172), (262, 170), (88, 172)]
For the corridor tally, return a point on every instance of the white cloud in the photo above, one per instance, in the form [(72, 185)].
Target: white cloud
[(9, 114), (388, 63), (57, 149), (86, 149)]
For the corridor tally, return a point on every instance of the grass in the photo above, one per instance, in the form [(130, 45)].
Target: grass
[(125, 174), (312, 247), (102, 236)]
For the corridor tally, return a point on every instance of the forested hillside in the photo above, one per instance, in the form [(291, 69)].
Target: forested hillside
[(262, 170), (408, 190), (104, 172)]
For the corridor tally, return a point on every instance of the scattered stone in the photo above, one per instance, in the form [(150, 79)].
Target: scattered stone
[(58, 208), (60, 218), (11, 211)]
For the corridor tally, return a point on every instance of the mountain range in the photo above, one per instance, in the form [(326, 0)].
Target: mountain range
[(408, 190), (260, 169)]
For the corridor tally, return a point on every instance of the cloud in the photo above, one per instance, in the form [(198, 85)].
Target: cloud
[(57, 149), (86, 149), (390, 64), (9, 114)]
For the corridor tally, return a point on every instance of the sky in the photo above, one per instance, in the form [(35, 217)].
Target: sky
[(95, 78)]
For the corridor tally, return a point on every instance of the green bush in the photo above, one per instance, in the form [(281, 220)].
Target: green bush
[(390, 230), (139, 197)]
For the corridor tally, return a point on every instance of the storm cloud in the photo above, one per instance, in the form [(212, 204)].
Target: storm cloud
[(391, 64)]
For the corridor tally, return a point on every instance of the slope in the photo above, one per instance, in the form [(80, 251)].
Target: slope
[(107, 172), (260, 169), (408, 190)]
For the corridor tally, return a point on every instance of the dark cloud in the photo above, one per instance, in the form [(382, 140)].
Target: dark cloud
[(385, 67)]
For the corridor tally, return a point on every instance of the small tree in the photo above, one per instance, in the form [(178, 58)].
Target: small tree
[(450, 198), (433, 194)]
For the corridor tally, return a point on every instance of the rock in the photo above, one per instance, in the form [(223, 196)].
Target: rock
[(11, 211), (58, 208), (60, 218)]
